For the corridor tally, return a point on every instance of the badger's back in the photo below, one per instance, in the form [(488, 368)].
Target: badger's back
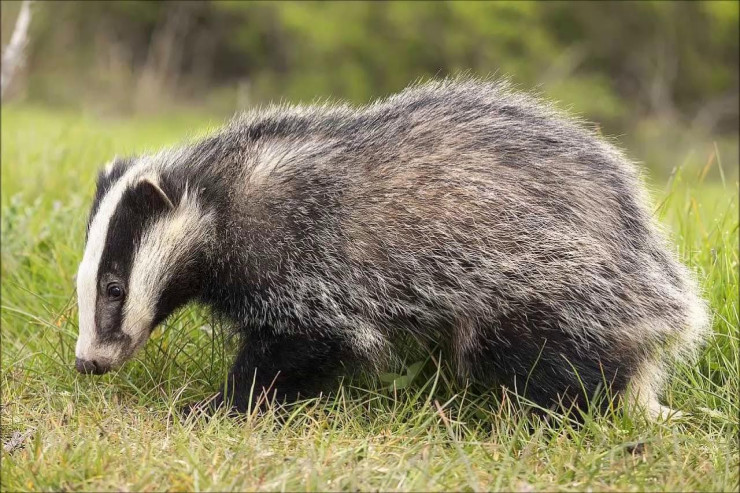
[(457, 211)]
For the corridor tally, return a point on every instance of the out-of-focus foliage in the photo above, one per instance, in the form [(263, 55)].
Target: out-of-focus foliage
[(618, 63)]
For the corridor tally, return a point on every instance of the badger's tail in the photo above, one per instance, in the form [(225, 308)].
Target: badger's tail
[(686, 341)]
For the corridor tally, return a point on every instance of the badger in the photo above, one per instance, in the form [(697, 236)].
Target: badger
[(459, 214)]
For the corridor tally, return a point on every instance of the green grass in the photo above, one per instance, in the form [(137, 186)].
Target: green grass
[(117, 432)]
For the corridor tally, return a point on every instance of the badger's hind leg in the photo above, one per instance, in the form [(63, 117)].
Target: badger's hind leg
[(543, 365)]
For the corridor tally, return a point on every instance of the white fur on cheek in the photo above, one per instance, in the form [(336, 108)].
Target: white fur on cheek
[(165, 245)]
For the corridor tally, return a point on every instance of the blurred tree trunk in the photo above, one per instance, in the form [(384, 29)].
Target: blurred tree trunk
[(159, 76), (13, 55)]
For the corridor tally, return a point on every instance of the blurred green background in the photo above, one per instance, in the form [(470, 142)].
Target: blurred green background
[(660, 77)]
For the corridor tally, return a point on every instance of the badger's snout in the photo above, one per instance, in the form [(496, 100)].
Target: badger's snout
[(91, 367)]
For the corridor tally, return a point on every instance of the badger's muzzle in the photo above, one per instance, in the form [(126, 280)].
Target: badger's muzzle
[(91, 367)]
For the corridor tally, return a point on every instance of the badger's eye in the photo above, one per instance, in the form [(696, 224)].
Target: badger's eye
[(114, 291)]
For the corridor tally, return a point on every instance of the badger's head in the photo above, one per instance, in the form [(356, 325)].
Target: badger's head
[(142, 260)]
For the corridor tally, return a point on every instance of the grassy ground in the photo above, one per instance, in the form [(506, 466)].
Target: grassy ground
[(63, 431)]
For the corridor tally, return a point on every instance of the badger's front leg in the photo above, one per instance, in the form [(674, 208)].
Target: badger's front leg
[(281, 367)]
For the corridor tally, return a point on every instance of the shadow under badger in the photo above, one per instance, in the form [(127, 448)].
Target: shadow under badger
[(458, 212)]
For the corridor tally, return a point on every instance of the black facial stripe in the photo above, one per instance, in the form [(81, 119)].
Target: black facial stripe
[(136, 211), (106, 182)]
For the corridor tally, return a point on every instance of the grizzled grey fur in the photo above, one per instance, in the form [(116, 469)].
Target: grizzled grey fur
[(457, 213)]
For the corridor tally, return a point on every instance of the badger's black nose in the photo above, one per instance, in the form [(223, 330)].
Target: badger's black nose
[(90, 367)]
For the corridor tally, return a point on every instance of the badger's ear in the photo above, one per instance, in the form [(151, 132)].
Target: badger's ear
[(152, 195)]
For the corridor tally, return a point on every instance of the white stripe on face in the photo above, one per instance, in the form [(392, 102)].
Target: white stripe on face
[(168, 243), (87, 275)]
